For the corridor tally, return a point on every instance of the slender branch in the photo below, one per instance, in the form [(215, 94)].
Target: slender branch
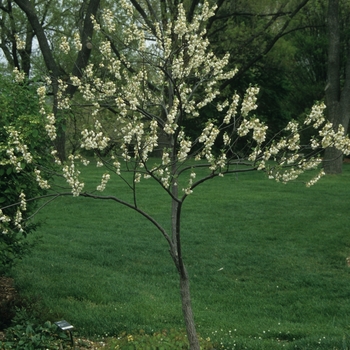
[(250, 14), (131, 206), (212, 175), (94, 196), (145, 17), (41, 207)]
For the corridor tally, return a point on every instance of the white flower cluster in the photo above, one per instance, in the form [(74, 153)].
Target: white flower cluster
[(18, 220), (208, 137), (188, 190), (50, 126), (23, 202), (232, 110), (71, 174), (316, 115), (55, 157), (105, 178), (315, 179), (19, 75), (331, 138), (62, 99), (109, 20), (17, 151), (127, 6), (94, 139), (4, 219), (249, 101), (49, 117), (77, 41), (151, 141), (116, 165), (64, 45), (163, 175), (95, 24), (21, 44), (137, 177), (41, 91), (185, 147), (259, 129), (192, 58), (172, 114), (41, 182), (292, 173)]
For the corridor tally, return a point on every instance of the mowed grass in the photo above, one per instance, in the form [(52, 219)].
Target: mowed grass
[(267, 263)]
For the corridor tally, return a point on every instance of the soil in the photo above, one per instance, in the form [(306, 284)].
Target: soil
[(7, 289), (8, 299)]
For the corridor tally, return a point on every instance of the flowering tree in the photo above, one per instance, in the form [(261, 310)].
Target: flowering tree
[(141, 99)]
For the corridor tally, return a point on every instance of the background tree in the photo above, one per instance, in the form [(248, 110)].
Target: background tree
[(17, 37), (42, 21), (168, 77), (338, 82), (294, 73)]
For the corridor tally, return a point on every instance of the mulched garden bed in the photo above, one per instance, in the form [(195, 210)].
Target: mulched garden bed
[(8, 300)]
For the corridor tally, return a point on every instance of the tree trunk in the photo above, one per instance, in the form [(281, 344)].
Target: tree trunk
[(337, 98), (187, 310), (333, 161)]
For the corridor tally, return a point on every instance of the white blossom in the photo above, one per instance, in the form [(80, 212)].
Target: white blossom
[(64, 45), (104, 180), (19, 75)]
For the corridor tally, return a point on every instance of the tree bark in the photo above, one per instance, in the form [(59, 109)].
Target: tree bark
[(187, 310), (337, 98), (184, 278)]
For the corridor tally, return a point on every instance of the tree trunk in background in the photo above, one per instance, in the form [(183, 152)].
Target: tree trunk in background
[(337, 98)]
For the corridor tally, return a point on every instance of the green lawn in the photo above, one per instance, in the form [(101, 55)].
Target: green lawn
[(267, 263)]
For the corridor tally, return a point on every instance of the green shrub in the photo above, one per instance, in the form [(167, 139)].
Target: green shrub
[(19, 111), (27, 334)]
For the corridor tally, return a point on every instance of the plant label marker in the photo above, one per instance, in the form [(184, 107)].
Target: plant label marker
[(65, 326)]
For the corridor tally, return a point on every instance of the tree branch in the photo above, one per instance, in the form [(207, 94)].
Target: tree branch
[(85, 52), (145, 17)]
